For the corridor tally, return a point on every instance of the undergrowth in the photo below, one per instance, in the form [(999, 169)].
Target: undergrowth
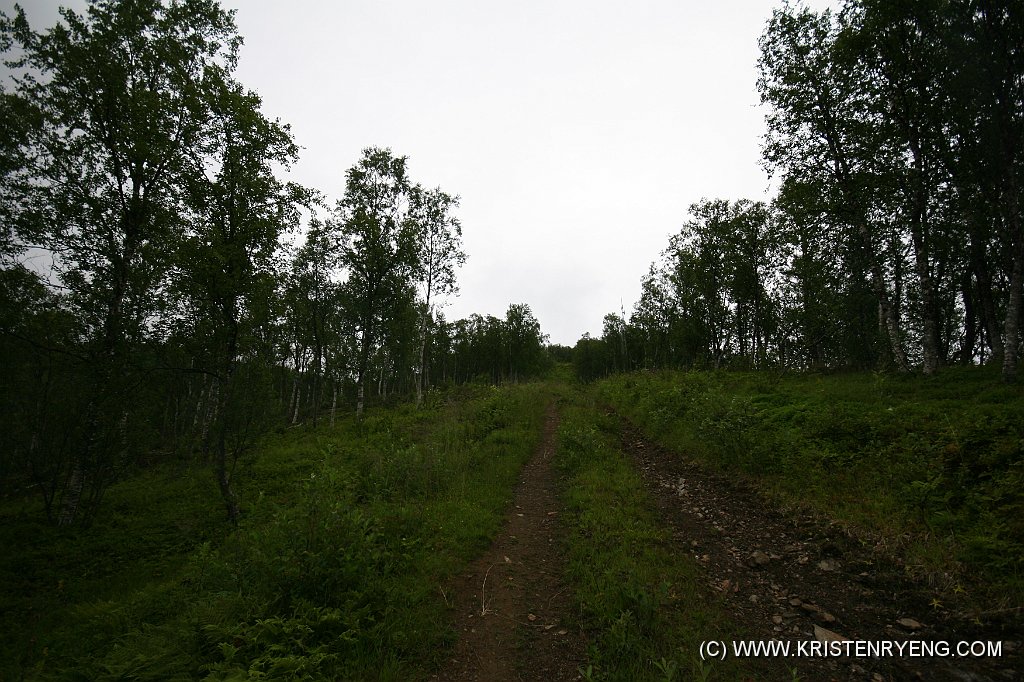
[(333, 573)]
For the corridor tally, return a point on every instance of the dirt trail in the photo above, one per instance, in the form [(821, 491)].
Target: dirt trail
[(510, 606), (787, 577)]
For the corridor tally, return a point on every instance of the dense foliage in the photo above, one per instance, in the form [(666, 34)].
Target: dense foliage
[(161, 295)]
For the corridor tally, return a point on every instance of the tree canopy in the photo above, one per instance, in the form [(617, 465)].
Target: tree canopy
[(192, 297)]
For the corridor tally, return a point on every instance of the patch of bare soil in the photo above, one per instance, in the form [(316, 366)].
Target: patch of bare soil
[(795, 577), (511, 605)]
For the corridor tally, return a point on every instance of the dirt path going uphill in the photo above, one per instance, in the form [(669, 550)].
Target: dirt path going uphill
[(511, 604), (794, 578)]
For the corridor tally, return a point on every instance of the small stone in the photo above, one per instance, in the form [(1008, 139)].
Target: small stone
[(809, 608), (824, 616), (530, 617), (823, 635), (790, 614), (877, 677), (828, 565), (758, 558), (858, 670), (563, 632), (909, 623), (753, 598), (795, 601), (777, 619)]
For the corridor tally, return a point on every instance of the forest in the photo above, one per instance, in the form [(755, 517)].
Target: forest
[(176, 314), (239, 438), (895, 240)]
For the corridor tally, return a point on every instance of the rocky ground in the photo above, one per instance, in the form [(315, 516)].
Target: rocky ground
[(795, 577), (779, 575)]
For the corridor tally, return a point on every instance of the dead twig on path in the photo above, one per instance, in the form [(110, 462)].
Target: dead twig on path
[(483, 592)]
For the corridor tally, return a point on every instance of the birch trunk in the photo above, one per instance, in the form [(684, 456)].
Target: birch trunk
[(420, 375), (295, 396), (221, 454), (298, 402), (334, 403), (918, 230), (885, 308), (1011, 340), (970, 322), (930, 332)]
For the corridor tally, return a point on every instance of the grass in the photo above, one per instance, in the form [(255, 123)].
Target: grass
[(639, 598), (333, 573), (350, 533), (932, 468)]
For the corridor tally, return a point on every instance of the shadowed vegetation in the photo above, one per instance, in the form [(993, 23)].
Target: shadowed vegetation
[(335, 571)]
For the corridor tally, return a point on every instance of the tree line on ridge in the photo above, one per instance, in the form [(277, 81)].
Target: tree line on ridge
[(166, 296), (896, 132)]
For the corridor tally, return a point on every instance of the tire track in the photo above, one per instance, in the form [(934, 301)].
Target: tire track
[(511, 606)]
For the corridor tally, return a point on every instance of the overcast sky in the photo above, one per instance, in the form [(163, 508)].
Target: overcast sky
[(577, 133)]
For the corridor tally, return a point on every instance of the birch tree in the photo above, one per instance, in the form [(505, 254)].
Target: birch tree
[(117, 94), (228, 265), (820, 129), (378, 249), (439, 235)]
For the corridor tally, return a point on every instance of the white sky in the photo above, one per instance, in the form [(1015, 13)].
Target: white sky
[(576, 132)]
